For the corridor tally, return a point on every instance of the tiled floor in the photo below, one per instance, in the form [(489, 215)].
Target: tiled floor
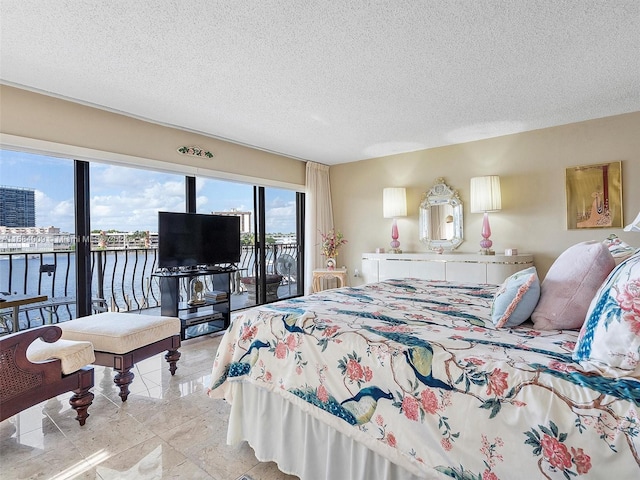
[(168, 428)]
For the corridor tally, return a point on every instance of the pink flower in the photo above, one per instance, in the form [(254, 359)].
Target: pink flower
[(629, 298), (446, 444), (555, 452), (429, 401), (391, 439), (298, 370), (329, 331), (582, 460), (322, 394), (267, 376), (489, 475), (475, 361), (248, 333), (410, 407), (497, 382), (354, 370), (559, 366), (633, 320), (291, 342), (368, 374), (379, 420), (281, 350)]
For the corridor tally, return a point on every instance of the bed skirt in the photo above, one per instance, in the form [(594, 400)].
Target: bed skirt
[(300, 444)]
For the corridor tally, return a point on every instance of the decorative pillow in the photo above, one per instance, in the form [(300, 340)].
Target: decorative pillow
[(619, 249), (570, 285), (610, 336), (514, 302)]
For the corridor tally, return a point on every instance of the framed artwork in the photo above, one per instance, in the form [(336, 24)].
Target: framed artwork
[(594, 196)]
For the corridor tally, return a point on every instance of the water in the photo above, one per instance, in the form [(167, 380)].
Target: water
[(127, 280), (128, 283)]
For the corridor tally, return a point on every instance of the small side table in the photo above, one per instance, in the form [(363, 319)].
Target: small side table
[(16, 301), (322, 273)]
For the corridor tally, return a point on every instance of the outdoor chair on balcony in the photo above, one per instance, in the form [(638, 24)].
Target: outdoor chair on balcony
[(35, 365), (273, 282)]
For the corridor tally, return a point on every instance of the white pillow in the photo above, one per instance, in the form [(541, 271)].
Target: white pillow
[(619, 249)]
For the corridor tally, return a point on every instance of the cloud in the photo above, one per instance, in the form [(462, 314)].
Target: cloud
[(50, 212), (128, 199)]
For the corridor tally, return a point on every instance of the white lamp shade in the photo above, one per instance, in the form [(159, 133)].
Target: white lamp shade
[(394, 202), (633, 226), (485, 194)]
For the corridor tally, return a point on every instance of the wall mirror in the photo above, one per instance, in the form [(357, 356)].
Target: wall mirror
[(441, 218)]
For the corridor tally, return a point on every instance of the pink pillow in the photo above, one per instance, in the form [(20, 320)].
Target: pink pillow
[(570, 285)]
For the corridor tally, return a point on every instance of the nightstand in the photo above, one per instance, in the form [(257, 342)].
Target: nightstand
[(340, 274)]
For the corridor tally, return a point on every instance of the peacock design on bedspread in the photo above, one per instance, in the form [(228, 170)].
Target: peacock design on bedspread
[(418, 368)]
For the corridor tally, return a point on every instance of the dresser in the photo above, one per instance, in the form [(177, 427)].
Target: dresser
[(453, 267)]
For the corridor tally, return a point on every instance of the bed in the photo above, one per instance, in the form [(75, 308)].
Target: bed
[(410, 378)]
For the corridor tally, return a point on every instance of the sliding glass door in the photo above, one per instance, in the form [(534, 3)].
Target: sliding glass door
[(271, 253)]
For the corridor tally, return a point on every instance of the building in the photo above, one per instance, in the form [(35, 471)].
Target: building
[(245, 219), (17, 207), (34, 239)]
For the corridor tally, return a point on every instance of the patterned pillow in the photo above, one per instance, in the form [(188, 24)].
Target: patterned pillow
[(620, 250), (610, 336), (514, 302)]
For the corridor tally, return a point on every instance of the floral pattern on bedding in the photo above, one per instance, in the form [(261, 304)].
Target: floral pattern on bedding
[(416, 370)]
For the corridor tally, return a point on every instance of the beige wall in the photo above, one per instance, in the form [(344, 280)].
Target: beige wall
[(532, 170), (35, 122), (531, 166)]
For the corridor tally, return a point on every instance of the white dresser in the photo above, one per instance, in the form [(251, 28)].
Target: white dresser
[(454, 267)]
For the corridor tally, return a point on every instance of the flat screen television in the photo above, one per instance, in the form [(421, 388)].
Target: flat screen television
[(192, 239)]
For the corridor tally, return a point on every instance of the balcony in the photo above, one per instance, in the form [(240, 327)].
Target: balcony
[(122, 281)]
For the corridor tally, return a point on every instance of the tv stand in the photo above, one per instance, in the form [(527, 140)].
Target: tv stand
[(209, 315)]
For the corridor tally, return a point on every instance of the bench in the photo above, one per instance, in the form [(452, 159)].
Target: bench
[(120, 340), (35, 365)]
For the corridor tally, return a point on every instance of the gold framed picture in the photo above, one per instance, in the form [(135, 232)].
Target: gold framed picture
[(594, 196)]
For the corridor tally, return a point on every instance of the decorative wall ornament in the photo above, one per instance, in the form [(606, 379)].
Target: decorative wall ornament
[(195, 152), (594, 196)]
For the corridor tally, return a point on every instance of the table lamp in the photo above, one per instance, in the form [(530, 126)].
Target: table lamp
[(485, 198), (394, 205)]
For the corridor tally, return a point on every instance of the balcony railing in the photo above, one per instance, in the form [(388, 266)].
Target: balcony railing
[(122, 280)]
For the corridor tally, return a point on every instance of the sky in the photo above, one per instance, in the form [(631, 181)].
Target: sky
[(128, 199)]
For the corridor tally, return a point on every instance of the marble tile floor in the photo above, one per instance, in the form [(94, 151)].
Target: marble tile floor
[(168, 428)]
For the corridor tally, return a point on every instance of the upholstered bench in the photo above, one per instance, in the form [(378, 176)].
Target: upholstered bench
[(120, 340), (35, 365)]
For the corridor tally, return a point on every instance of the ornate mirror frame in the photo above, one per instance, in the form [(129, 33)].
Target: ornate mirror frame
[(441, 218)]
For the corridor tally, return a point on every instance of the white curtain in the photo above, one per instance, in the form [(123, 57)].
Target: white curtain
[(318, 215)]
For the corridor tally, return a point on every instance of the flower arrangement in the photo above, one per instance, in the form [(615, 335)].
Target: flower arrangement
[(331, 241)]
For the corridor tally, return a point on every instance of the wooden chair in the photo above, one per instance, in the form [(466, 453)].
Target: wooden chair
[(24, 383)]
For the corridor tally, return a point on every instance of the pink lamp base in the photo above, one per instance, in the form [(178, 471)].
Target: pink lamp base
[(485, 243), (395, 244)]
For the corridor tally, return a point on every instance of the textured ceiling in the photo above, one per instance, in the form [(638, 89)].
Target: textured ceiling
[(332, 81)]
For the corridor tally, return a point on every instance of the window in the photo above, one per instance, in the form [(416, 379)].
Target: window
[(37, 246)]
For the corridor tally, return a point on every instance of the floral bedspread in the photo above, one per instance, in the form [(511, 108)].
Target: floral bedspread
[(415, 370)]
